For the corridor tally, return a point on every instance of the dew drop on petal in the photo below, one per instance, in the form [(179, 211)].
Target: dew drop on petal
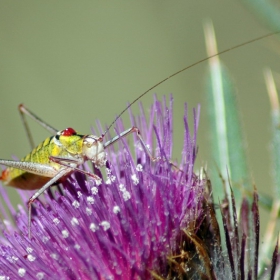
[(122, 188), (134, 179), (21, 272), (93, 227), (2, 277), (116, 209), (79, 194), (40, 275), (29, 250), (139, 167), (45, 239), (88, 211), (94, 190), (74, 221), (31, 258), (56, 221), (90, 200), (126, 195), (54, 256), (12, 259), (105, 225), (65, 233), (98, 182), (76, 204)]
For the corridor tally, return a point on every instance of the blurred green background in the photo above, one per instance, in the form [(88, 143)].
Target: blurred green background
[(73, 62)]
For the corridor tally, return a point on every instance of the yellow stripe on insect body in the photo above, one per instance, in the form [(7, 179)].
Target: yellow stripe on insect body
[(71, 145), (62, 146), (40, 153)]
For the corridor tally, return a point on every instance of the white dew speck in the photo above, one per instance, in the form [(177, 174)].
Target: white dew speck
[(54, 256), (88, 211), (56, 221), (12, 259), (139, 167), (134, 179), (65, 233), (40, 275), (21, 272), (98, 182), (126, 195), (116, 209), (122, 188), (90, 200), (113, 178), (2, 277), (108, 171), (74, 221), (29, 250), (45, 239), (76, 204), (77, 246), (79, 194), (108, 181), (105, 225), (31, 258), (94, 190), (93, 227)]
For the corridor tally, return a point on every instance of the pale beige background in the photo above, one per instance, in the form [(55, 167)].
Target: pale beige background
[(73, 62)]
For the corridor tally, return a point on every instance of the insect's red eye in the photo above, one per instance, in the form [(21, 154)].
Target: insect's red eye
[(68, 132)]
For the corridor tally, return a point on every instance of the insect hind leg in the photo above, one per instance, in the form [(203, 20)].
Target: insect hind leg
[(23, 112), (53, 180)]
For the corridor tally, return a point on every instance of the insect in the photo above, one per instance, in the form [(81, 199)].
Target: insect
[(62, 154)]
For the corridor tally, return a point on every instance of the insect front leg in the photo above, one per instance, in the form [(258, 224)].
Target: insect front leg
[(42, 170), (23, 112), (53, 180), (67, 163), (138, 134)]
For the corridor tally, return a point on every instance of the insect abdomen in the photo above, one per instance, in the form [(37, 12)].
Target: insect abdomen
[(39, 154), (25, 180)]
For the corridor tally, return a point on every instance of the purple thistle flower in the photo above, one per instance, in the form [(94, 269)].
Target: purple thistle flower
[(124, 228)]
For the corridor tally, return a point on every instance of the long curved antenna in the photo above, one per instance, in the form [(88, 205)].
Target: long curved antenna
[(184, 69)]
